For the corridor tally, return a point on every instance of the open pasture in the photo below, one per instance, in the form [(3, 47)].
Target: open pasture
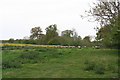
[(60, 63)]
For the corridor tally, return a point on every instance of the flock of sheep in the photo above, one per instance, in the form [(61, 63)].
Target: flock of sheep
[(96, 47)]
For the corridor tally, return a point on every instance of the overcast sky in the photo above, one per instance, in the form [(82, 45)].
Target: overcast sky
[(17, 17)]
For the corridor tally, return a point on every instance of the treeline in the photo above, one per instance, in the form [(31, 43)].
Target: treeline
[(104, 38), (52, 37)]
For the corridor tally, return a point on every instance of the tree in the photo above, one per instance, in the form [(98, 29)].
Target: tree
[(51, 32), (86, 41), (107, 13), (55, 41), (107, 36), (67, 33), (77, 41), (11, 40), (87, 38), (36, 33)]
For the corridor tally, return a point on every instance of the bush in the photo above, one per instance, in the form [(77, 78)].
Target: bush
[(86, 62), (23, 61), (26, 50), (116, 70), (10, 64), (90, 65), (113, 68), (60, 53), (41, 50), (56, 54), (100, 68), (29, 55)]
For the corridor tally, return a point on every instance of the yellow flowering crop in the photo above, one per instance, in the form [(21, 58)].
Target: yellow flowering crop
[(12, 44)]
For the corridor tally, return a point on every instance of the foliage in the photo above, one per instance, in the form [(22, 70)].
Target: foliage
[(87, 39), (90, 65), (51, 32), (36, 33), (100, 68), (107, 14), (87, 42), (67, 33), (54, 41), (10, 64), (11, 40), (67, 38), (108, 35), (29, 55)]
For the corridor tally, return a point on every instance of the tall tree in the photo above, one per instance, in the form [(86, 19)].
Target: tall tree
[(11, 40), (36, 33), (86, 41), (87, 38), (51, 32), (67, 33), (107, 13)]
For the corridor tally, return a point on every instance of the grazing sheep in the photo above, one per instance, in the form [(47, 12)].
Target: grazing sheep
[(79, 46), (97, 47)]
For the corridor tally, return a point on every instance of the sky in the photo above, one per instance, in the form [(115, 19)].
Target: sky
[(18, 17)]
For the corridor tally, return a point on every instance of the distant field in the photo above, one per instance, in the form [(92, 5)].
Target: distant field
[(24, 45), (60, 63)]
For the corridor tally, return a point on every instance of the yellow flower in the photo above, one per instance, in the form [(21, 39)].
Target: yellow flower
[(13, 44)]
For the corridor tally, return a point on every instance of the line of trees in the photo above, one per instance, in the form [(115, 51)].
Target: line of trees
[(105, 12), (52, 37)]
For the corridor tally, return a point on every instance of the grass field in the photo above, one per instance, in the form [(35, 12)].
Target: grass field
[(60, 63)]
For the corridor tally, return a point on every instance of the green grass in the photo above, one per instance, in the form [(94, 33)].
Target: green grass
[(63, 63)]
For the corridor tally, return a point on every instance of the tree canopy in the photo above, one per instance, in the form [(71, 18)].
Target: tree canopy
[(36, 33), (107, 14)]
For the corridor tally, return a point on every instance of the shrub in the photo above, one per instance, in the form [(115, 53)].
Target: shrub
[(100, 68), (23, 61), (56, 54), (10, 64), (90, 65), (33, 61), (26, 50), (29, 55), (115, 70), (60, 53), (41, 50), (86, 62)]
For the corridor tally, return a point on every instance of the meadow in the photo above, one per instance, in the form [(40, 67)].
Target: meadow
[(60, 63)]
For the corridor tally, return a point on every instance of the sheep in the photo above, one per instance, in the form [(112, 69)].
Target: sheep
[(97, 47), (79, 46)]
